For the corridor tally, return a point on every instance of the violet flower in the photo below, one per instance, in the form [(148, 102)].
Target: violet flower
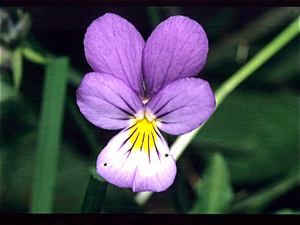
[(140, 87)]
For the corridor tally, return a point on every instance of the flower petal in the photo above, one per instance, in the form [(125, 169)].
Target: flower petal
[(177, 48), (138, 158), (182, 106), (113, 45), (107, 101)]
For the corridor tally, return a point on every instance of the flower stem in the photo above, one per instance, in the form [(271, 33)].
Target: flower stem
[(228, 86), (258, 60)]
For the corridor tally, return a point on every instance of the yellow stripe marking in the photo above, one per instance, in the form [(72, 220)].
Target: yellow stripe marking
[(139, 136)]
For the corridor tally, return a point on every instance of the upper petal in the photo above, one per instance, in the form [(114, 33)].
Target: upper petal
[(183, 105), (107, 101), (113, 45), (138, 158), (177, 48)]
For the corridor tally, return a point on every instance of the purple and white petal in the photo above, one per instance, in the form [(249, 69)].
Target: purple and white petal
[(138, 158), (113, 45), (177, 48), (106, 101), (182, 105)]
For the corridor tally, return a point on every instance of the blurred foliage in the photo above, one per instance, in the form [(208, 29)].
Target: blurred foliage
[(214, 190), (287, 211), (256, 129), (257, 134), (14, 25)]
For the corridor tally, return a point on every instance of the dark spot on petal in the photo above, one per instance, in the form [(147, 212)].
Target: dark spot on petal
[(166, 155), (105, 164)]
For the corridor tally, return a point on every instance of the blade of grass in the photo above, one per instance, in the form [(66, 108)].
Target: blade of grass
[(95, 194), (34, 56), (17, 68), (228, 86), (49, 135)]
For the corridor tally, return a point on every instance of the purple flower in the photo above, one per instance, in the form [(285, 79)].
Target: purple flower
[(140, 87)]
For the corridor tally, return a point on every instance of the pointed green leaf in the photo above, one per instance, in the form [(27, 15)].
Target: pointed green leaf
[(214, 191), (95, 194), (34, 56), (17, 68)]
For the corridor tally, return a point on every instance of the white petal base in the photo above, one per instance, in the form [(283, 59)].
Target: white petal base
[(138, 158)]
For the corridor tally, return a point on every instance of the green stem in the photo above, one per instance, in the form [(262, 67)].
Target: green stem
[(258, 60), (226, 88), (49, 135), (17, 68)]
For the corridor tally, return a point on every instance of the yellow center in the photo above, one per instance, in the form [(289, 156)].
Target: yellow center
[(143, 135)]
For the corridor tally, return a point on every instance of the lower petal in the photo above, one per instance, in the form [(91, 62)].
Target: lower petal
[(138, 158)]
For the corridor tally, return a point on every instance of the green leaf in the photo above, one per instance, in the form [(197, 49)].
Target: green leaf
[(49, 135), (34, 56), (17, 68), (108, 198), (95, 194), (96, 176), (214, 191)]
